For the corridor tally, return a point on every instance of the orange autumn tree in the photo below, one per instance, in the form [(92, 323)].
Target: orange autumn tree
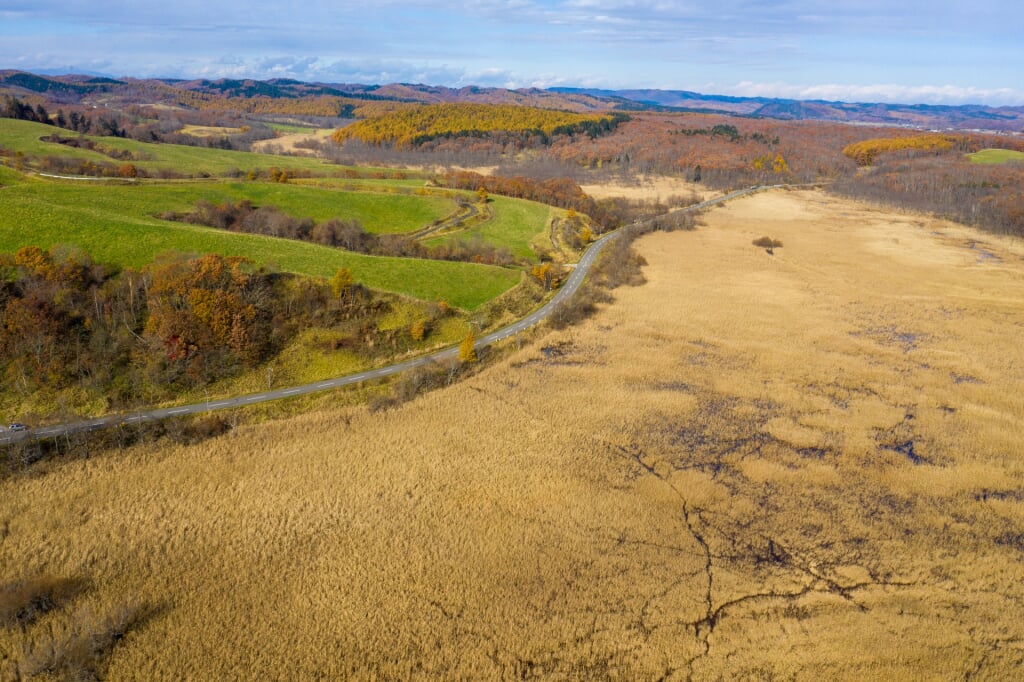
[(467, 349), (412, 126), (865, 151), (206, 313)]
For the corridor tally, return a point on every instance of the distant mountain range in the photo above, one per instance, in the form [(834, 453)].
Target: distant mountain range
[(87, 89), (967, 116)]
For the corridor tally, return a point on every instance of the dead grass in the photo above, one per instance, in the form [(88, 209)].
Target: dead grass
[(209, 131), (658, 188), (285, 144), (802, 466)]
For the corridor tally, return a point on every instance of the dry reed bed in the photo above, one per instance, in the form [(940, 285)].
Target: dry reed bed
[(805, 466)]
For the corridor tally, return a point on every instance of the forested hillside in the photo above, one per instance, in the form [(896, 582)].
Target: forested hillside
[(414, 126)]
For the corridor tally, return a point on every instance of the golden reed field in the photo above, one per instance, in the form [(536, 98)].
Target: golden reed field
[(806, 466)]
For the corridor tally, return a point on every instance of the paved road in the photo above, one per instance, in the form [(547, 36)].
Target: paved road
[(568, 289)]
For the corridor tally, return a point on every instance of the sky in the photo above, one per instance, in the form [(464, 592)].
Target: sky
[(906, 51)]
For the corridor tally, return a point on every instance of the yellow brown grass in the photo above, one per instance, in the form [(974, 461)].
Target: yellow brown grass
[(805, 466)]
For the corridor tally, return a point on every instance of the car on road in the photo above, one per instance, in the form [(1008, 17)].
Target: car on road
[(18, 426)]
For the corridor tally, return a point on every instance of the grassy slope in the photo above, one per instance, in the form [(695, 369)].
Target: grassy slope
[(514, 225), (376, 212), (690, 485), (996, 156), (24, 136), (111, 223), (291, 128)]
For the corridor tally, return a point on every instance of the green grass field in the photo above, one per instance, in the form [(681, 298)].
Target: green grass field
[(415, 181), (24, 136), (376, 212), (996, 156), (291, 128), (114, 224), (514, 224)]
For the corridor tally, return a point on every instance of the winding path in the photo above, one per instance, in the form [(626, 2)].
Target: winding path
[(568, 289)]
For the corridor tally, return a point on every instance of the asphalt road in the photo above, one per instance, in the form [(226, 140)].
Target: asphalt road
[(568, 289)]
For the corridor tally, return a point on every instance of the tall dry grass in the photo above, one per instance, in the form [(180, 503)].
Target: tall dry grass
[(799, 466)]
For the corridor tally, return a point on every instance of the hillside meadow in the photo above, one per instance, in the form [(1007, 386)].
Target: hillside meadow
[(996, 156), (803, 466), (377, 212), (27, 137), (116, 224), (515, 224)]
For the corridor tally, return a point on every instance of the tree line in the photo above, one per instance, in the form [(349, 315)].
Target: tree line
[(949, 186), (101, 124)]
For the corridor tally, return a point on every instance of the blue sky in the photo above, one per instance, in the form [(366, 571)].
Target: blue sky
[(939, 51)]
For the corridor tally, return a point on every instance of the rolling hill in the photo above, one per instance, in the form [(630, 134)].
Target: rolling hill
[(78, 88)]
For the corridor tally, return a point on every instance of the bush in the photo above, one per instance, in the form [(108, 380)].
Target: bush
[(78, 650), (768, 244), (22, 602)]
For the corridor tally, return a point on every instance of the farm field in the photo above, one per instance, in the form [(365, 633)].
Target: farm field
[(114, 224), (209, 131), (377, 212), (648, 188), (25, 136), (801, 466), (289, 136), (514, 225), (996, 156)]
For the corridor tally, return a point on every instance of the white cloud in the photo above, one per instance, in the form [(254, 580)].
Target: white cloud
[(607, 43), (885, 93)]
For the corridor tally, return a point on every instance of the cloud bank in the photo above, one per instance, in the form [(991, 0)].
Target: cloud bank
[(764, 48)]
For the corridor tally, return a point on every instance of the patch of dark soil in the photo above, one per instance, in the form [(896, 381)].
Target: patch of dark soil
[(984, 254), (985, 494), (893, 336), (678, 386), (697, 359), (907, 449), (721, 427), (557, 350), (1014, 540)]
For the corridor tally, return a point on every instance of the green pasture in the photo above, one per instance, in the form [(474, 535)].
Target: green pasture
[(381, 213), (114, 223), (25, 137), (514, 224), (291, 128), (376, 212), (9, 176), (414, 183), (996, 156)]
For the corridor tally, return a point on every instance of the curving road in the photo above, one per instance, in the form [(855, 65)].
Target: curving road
[(451, 222), (568, 289)]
